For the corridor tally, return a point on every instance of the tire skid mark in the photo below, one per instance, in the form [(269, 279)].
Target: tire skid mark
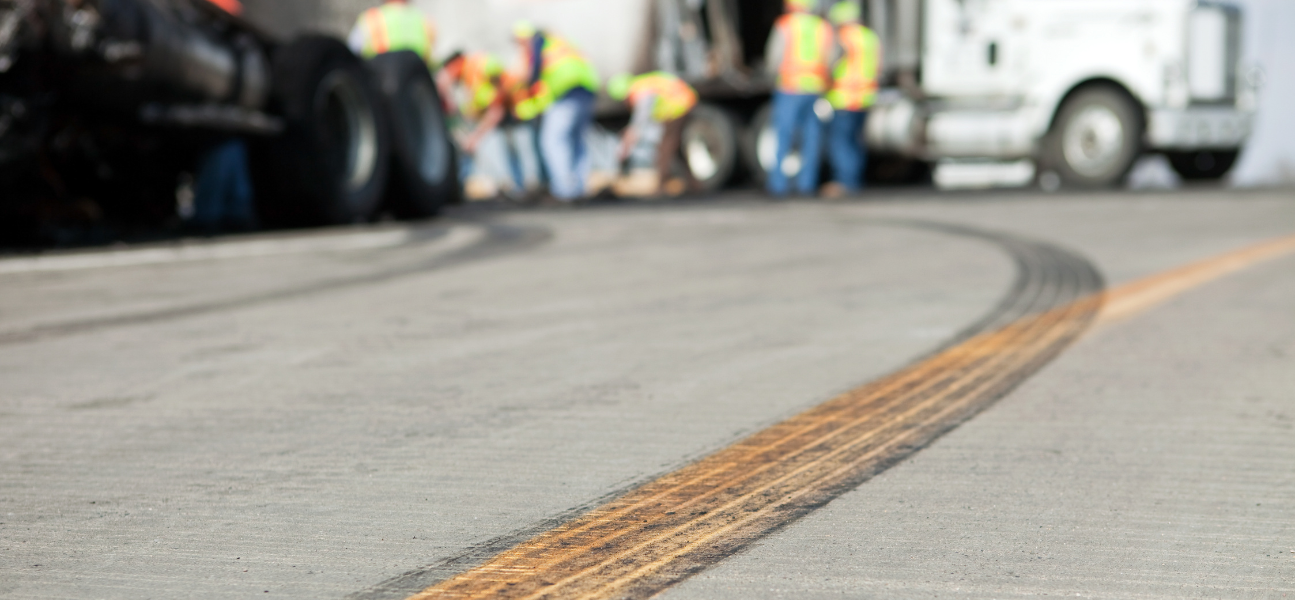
[(499, 239), (639, 542)]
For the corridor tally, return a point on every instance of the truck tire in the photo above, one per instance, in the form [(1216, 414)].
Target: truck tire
[(424, 169), (1096, 138), (759, 144), (1203, 165), (330, 165), (710, 146)]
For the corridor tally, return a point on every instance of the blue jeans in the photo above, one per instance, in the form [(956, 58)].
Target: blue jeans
[(562, 140), (524, 156), (846, 149), (222, 194), (794, 114)]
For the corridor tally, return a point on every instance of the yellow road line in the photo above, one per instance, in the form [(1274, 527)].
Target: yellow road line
[(686, 520), (1136, 297)]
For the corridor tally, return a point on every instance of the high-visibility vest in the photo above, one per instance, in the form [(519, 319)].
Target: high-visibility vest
[(562, 69), (674, 97), (396, 26), (233, 7), (804, 68), (854, 85), (480, 74)]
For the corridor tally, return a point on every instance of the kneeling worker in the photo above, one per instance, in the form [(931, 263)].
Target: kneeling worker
[(854, 91), (665, 99)]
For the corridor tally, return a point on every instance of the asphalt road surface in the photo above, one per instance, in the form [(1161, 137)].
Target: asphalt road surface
[(579, 403)]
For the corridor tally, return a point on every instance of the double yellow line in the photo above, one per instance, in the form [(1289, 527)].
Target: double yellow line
[(687, 520)]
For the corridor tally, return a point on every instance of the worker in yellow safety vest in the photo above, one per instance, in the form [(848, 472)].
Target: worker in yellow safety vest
[(664, 99), (392, 27), (854, 91), (561, 84), (799, 52)]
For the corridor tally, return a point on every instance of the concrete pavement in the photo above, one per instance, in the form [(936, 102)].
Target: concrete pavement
[(320, 442)]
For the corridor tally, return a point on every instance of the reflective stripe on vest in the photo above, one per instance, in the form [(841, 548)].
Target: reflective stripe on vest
[(804, 68), (394, 27), (563, 69), (855, 77), (674, 97)]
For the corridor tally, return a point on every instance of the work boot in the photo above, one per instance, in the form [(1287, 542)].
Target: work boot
[(834, 191)]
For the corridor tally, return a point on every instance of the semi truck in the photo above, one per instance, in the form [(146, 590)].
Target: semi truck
[(1082, 88), (107, 106)]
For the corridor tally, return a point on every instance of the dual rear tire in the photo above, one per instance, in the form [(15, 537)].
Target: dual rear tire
[(357, 138), (424, 172), (330, 165)]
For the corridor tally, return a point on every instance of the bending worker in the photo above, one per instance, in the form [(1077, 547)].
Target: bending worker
[(393, 27), (854, 91), (666, 99), (481, 75), (800, 48), (561, 85)]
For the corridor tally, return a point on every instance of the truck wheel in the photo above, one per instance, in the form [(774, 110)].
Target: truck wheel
[(1204, 165), (760, 144), (1096, 138), (424, 173), (710, 147), (330, 165)]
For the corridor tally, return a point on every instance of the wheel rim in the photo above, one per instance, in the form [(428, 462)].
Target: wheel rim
[(701, 149), (432, 154), (1094, 141), (350, 126)]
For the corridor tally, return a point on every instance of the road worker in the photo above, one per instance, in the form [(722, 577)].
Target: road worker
[(481, 76), (799, 51), (854, 91), (498, 147), (667, 100), (560, 84), (392, 27)]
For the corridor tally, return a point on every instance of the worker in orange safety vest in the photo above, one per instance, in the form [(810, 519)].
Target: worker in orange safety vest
[(392, 27), (800, 51), (667, 100), (854, 91), (481, 76)]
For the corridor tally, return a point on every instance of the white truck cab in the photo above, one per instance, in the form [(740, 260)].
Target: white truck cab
[(1082, 86)]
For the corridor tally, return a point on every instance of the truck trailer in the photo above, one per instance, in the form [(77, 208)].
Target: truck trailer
[(106, 106), (1082, 88)]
